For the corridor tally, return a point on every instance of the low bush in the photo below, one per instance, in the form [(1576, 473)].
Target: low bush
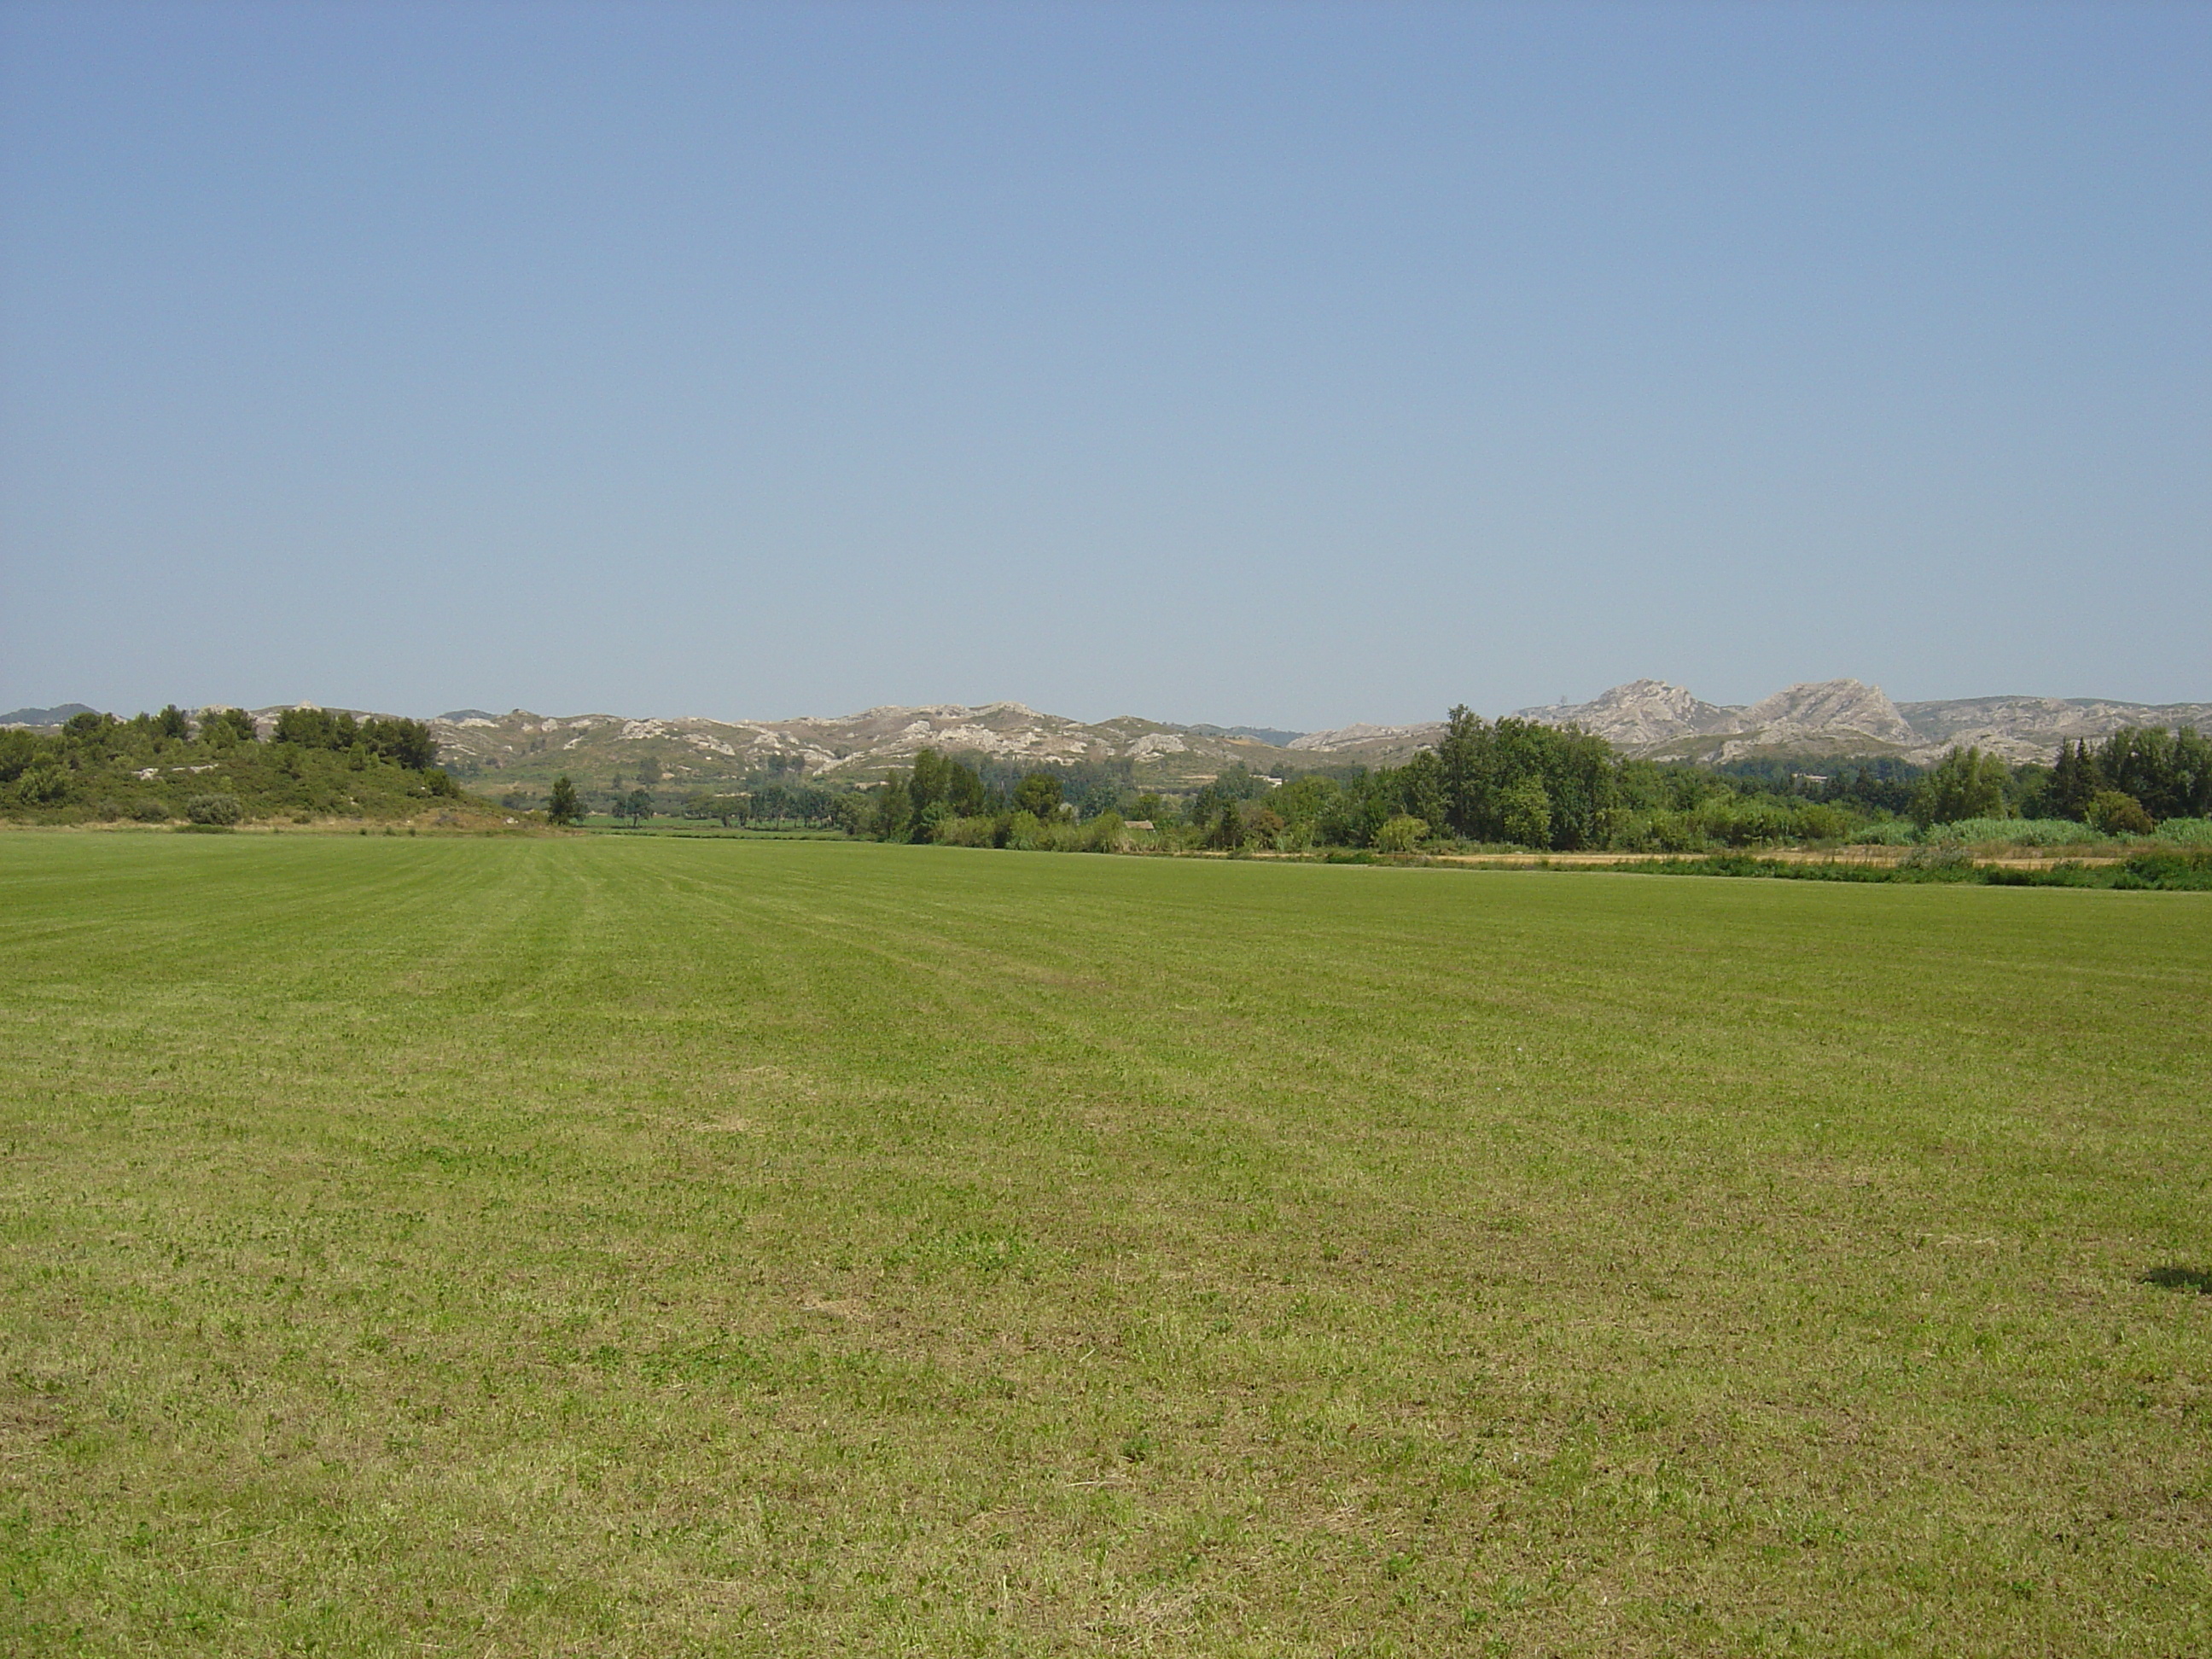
[(1401, 834), (1105, 833), (44, 784), (1060, 835), (980, 831), (213, 809), (2186, 832), (2189, 871), (2172, 872), (2118, 814), (2015, 832)]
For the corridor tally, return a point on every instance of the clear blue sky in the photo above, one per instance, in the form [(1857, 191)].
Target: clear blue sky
[(1288, 364)]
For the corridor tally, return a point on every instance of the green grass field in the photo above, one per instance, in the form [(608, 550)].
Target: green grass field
[(664, 1247)]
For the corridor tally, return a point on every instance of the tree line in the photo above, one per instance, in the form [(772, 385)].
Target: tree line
[(1519, 783)]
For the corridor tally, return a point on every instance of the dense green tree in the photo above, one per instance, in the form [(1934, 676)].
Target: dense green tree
[(316, 728), (1461, 770), (562, 806), (2074, 780), (928, 782), (2168, 773), (1420, 783), (172, 723), (965, 791), (637, 806), (938, 791), (225, 727), (1038, 794), (1965, 784), (19, 751), (411, 743), (1227, 832), (894, 810), (1525, 812), (1485, 773)]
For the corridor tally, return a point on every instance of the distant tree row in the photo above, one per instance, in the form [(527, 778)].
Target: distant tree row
[(2141, 772), (1512, 782)]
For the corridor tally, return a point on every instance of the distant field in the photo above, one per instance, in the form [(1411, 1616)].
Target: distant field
[(663, 1246)]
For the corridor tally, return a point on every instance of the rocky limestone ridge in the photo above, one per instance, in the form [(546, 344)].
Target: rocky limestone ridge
[(2031, 728), (1639, 715), (1362, 742), (1846, 718), (523, 748)]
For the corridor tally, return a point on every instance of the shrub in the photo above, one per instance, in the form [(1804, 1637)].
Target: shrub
[(1060, 834), (1403, 833), (1944, 859), (1817, 821), (1736, 822), (2015, 832), (1658, 831), (213, 809), (981, 831), (1890, 832), (149, 811), (42, 784), (2185, 872), (1024, 831), (2186, 832), (2117, 814), (1105, 833)]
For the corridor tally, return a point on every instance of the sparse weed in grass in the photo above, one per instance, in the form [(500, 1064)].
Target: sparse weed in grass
[(666, 1245)]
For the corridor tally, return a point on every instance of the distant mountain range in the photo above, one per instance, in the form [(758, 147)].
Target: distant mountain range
[(1822, 718), (53, 716), (1828, 719)]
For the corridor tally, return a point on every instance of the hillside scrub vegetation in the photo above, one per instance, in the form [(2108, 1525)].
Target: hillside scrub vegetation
[(215, 769)]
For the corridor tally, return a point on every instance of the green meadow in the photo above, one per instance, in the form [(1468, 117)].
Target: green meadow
[(668, 1247)]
